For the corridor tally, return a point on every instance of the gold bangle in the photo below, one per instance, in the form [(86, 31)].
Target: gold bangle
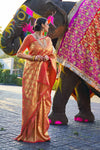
[(39, 59), (33, 58)]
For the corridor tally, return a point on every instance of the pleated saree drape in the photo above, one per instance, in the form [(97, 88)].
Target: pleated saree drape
[(38, 79)]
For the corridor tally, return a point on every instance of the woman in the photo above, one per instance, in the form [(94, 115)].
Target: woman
[(38, 78)]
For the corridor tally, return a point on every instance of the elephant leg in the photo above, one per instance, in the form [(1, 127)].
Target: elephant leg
[(68, 81), (83, 100), (94, 91)]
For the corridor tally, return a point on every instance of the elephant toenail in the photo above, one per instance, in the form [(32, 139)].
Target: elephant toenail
[(86, 120), (58, 122), (78, 119), (50, 121)]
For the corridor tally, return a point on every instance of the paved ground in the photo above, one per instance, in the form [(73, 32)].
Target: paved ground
[(74, 136)]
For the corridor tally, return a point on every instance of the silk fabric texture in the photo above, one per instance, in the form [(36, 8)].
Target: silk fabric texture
[(37, 83), (80, 48)]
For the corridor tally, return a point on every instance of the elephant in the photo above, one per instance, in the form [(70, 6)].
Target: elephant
[(25, 17), (22, 24), (71, 79)]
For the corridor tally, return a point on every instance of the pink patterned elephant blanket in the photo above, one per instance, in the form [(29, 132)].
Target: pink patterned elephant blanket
[(80, 47)]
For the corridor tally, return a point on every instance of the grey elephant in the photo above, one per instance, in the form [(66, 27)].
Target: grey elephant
[(22, 24)]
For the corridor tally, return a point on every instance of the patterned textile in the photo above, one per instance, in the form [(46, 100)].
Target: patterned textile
[(80, 48), (38, 79)]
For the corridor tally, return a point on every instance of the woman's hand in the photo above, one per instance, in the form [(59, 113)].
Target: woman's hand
[(46, 58), (24, 56), (19, 55), (39, 58)]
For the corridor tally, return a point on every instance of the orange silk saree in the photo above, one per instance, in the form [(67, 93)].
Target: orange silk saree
[(38, 79)]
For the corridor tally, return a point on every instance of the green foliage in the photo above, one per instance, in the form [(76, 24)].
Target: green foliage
[(19, 81), (6, 77), (12, 79), (2, 129), (26, 52), (76, 133), (1, 75), (18, 63), (0, 35), (4, 56), (1, 66)]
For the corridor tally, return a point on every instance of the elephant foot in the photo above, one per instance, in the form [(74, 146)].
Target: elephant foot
[(58, 119), (84, 117)]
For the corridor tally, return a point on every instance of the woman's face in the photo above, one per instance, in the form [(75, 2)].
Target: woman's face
[(45, 26)]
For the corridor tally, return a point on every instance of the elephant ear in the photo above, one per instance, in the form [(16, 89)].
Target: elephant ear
[(60, 15)]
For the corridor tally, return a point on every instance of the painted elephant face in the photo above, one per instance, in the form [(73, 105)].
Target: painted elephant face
[(23, 21)]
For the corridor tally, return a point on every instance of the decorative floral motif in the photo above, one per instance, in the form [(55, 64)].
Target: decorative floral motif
[(80, 44), (28, 28)]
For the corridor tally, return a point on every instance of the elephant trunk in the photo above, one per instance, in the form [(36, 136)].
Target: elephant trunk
[(12, 36), (9, 43)]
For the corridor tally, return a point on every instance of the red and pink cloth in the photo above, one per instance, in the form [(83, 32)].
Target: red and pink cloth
[(80, 47)]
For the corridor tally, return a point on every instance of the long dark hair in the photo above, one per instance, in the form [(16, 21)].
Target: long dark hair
[(38, 24)]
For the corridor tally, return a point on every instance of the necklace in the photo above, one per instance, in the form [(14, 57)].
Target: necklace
[(43, 42)]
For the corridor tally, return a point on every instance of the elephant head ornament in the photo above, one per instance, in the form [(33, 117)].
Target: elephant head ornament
[(25, 17)]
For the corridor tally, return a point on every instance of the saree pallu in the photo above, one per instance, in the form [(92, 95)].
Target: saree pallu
[(38, 79), (80, 47)]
